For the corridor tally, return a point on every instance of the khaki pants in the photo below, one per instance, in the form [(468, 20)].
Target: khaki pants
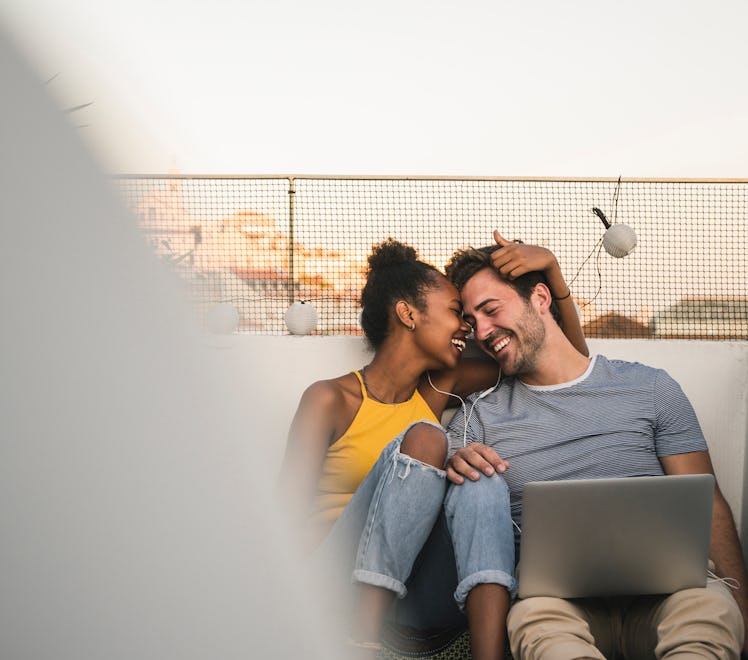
[(693, 623)]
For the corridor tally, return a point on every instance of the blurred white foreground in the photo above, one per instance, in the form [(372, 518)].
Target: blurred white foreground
[(137, 521)]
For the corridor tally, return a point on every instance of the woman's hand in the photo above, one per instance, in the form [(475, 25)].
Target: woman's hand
[(515, 259)]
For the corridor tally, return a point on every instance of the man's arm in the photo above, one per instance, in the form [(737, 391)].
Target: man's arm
[(724, 549)]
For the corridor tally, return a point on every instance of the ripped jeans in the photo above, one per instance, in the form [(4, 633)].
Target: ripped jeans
[(397, 531)]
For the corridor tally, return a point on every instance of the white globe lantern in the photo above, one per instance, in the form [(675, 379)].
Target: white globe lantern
[(301, 318), (619, 241), (222, 319)]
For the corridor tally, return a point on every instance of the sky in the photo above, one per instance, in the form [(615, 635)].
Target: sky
[(650, 88)]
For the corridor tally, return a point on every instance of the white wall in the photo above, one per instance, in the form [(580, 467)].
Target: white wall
[(714, 375), (277, 369)]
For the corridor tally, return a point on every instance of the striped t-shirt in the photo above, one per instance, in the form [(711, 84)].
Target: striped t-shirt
[(613, 421)]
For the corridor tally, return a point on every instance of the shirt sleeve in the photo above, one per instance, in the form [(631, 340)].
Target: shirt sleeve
[(677, 429)]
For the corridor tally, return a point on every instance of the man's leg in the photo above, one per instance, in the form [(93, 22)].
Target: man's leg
[(480, 524), (554, 629), (693, 623)]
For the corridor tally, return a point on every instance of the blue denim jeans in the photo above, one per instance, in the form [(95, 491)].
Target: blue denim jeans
[(382, 531), (407, 530), (472, 543), (480, 525)]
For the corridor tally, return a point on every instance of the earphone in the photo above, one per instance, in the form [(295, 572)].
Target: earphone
[(483, 394), (732, 583), (465, 413)]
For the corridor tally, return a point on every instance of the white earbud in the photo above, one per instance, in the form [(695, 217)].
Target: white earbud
[(486, 392)]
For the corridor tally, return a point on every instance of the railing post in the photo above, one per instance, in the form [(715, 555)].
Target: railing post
[(291, 261)]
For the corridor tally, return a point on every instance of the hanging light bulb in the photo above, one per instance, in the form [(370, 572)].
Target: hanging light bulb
[(222, 319), (301, 318), (619, 240)]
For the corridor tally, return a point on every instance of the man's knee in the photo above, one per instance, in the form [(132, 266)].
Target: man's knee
[(529, 612), (700, 618), (426, 443), (549, 628)]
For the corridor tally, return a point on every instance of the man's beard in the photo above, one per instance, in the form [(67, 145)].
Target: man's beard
[(530, 337)]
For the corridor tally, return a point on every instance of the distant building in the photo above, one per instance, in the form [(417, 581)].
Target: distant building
[(245, 259), (613, 325), (704, 317)]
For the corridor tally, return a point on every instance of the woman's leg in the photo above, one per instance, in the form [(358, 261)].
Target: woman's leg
[(401, 518), (480, 524), (384, 527), (429, 607), (487, 607)]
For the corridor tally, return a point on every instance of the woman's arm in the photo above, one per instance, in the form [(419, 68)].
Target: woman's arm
[(515, 259), (475, 374), (311, 432)]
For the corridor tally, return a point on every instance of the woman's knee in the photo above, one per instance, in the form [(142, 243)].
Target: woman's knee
[(426, 443), (486, 494)]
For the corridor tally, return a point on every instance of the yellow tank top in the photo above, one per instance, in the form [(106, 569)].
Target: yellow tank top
[(350, 458)]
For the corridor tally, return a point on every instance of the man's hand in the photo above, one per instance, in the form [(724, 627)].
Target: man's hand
[(474, 460)]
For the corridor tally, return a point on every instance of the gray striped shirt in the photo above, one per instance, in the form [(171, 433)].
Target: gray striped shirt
[(613, 421)]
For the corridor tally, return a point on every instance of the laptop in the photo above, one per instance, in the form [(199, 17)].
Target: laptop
[(614, 537)]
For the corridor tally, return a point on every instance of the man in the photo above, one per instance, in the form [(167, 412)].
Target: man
[(561, 415)]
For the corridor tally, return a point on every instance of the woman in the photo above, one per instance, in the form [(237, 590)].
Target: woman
[(340, 455)]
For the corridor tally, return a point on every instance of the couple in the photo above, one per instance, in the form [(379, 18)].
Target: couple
[(405, 502)]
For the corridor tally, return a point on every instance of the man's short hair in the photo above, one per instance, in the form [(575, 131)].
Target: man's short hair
[(466, 262)]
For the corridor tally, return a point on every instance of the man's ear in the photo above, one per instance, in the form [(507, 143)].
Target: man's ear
[(543, 296), (404, 314)]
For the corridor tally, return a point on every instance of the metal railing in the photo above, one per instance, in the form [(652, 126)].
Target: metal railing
[(263, 242)]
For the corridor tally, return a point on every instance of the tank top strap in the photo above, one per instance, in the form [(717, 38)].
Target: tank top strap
[(360, 377)]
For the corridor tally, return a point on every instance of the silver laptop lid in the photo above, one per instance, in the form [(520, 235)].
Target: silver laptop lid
[(607, 537)]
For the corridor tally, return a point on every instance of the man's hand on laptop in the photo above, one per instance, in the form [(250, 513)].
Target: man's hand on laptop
[(474, 460)]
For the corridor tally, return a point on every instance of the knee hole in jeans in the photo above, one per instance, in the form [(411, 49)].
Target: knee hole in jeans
[(425, 443)]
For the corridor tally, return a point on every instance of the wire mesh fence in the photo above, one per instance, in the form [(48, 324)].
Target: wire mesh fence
[(260, 243)]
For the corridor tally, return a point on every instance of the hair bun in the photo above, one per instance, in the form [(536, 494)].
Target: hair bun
[(391, 253)]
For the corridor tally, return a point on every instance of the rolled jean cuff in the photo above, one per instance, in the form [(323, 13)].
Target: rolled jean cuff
[(491, 576), (379, 580)]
